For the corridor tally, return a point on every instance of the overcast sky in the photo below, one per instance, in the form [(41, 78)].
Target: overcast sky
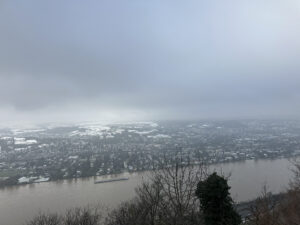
[(108, 60)]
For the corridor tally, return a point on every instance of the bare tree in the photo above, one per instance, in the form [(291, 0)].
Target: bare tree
[(178, 184), (46, 219), (76, 216), (295, 183), (263, 211), (128, 213), (289, 207), (166, 197), (83, 216), (285, 211)]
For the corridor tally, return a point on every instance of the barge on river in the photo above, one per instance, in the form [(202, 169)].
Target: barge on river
[(111, 180)]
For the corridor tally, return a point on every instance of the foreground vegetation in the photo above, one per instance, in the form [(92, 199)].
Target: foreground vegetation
[(282, 210), (186, 196)]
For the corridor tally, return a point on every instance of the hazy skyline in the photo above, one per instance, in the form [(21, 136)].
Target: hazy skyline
[(143, 60)]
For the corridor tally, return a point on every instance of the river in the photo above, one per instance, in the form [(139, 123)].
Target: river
[(20, 203)]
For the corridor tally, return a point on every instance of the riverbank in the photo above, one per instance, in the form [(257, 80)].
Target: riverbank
[(25, 180), (247, 179)]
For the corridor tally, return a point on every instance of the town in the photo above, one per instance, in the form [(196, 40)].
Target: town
[(71, 151)]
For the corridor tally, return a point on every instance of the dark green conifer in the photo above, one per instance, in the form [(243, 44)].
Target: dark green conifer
[(216, 203)]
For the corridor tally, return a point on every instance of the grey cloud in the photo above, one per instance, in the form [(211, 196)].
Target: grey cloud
[(172, 59)]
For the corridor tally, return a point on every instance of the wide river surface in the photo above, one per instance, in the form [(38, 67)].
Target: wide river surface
[(20, 203)]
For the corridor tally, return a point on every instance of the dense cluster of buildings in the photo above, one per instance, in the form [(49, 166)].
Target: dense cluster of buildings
[(51, 153)]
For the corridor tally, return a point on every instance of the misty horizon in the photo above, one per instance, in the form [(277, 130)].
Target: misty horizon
[(141, 61)]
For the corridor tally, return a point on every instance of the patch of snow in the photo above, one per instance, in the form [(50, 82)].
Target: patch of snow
[(42, 179), (160, 136), (91, 130), (19, 149), (23, 141), (142, 132), (6, 138), (23, 180), (119, 131)]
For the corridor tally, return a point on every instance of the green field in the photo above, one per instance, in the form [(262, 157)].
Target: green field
[(9, 173)]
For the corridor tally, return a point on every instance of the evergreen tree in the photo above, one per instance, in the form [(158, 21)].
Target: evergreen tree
[(215, 201)]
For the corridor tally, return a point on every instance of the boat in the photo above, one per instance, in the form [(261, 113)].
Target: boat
[(111, 180)]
